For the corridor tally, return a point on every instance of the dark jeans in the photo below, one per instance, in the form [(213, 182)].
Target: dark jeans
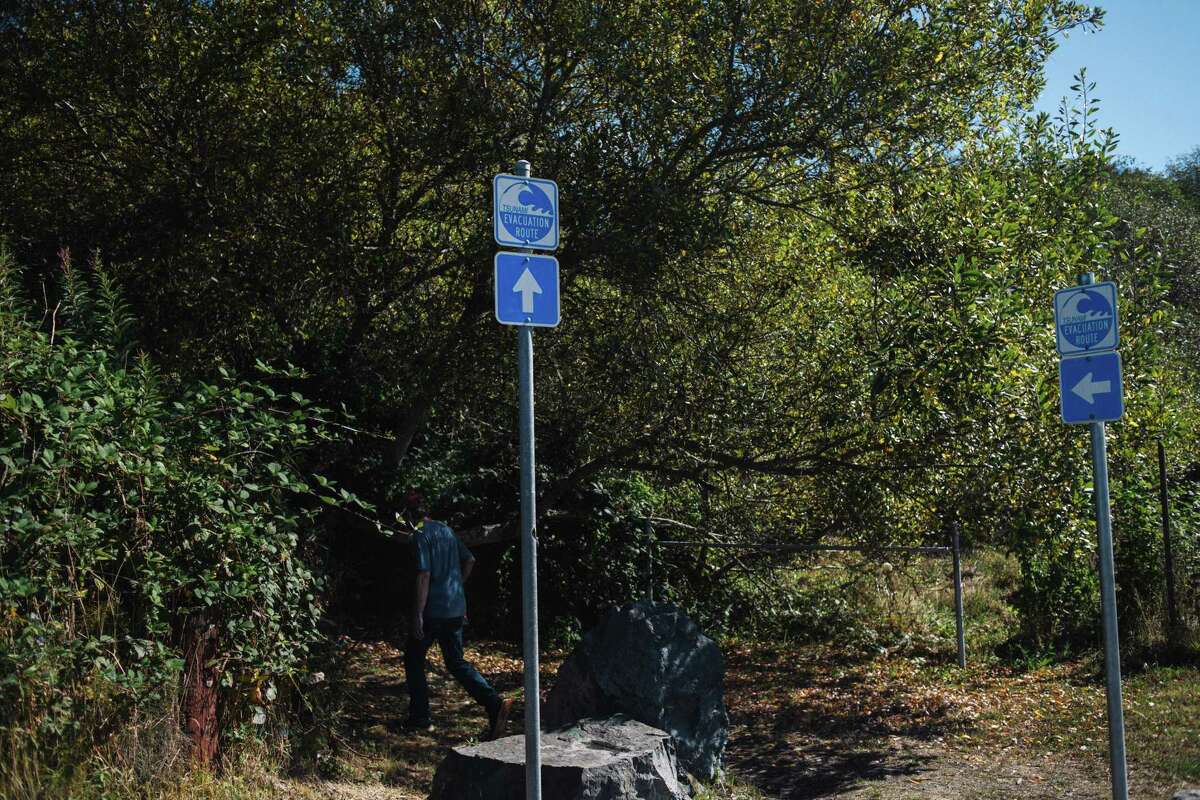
[(448, 634)]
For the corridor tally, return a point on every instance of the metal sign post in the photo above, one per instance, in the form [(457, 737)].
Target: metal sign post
[(1086, 322), (1168, 558), (525, 214), (529, 624), (1108, 602)]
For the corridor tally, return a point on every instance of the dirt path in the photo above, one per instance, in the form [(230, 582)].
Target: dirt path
[(805, 724), (377, 758)]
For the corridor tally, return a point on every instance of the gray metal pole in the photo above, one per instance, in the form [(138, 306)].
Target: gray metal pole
[(1168, 556), (1108, 601), (958, 601), (533, 732), (1108, 604)]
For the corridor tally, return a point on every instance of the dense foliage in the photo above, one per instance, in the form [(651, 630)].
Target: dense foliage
[(133, 508)]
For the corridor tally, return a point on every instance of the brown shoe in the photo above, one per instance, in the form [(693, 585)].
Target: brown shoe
[(498, 719)]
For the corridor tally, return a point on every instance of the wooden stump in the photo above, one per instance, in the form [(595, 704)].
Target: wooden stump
[(200, 685)]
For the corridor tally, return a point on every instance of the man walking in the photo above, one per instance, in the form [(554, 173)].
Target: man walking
[(439, 608)]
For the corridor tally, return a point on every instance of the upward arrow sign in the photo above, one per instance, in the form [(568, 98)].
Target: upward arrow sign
[(528, 286), (526, 289)]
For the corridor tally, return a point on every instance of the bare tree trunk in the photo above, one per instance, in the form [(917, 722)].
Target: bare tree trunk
[(200, 685), (411, 422), (440, 366)]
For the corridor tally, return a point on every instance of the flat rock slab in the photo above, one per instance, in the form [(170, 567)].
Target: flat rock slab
[(596, 759), (1187, 794)]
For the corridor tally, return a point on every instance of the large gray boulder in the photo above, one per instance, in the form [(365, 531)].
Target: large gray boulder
[(1187, 794), (649, 661), (597, 759)]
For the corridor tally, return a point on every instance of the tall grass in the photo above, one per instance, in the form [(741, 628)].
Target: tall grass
[(145, 757), (866, 604)]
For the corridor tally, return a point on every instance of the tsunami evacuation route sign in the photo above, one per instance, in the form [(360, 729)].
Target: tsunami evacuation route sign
[(1085, 318), (525, 212)]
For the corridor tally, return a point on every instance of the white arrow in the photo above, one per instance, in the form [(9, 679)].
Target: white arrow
[(1088, 388), (528, 286)]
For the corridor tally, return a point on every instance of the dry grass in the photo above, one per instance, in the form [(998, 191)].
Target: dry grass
[(807, 722), (145, 759), (374, 748)]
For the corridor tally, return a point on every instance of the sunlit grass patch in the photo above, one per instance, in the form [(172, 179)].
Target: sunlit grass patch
[(1162, 717)]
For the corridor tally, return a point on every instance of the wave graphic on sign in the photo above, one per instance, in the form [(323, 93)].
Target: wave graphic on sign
[(534, 198), (1093, 304)]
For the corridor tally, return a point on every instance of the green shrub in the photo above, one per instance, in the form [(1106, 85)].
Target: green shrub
[(132, 507)]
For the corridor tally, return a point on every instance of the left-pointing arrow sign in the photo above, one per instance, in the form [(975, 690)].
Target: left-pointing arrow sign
[(528, 286), (1088, 388)]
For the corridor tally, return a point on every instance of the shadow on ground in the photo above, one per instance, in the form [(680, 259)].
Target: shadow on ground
[(816, 727), (801, 727), (807, 723), (374, 747)]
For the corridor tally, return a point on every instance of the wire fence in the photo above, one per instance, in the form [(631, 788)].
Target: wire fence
[(1179, 499), (954, 550)]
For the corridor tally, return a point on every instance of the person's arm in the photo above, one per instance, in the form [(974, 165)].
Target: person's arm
[(420, 598), (424, 561), (466, 559)]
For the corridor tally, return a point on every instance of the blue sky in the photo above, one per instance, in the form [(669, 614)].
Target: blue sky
[(1146, 65)]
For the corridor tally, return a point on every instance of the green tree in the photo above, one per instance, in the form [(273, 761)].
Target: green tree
[(1184, 172), (306, 181), (807, 247)]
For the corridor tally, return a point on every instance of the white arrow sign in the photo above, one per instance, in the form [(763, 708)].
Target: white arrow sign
[(1088, 388), (528, 286)]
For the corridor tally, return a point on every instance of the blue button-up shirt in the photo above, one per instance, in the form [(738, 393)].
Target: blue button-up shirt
[(440, 553)]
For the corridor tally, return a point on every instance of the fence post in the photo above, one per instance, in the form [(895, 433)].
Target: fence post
[(649, 531), (958, 598), (1168, 556)]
